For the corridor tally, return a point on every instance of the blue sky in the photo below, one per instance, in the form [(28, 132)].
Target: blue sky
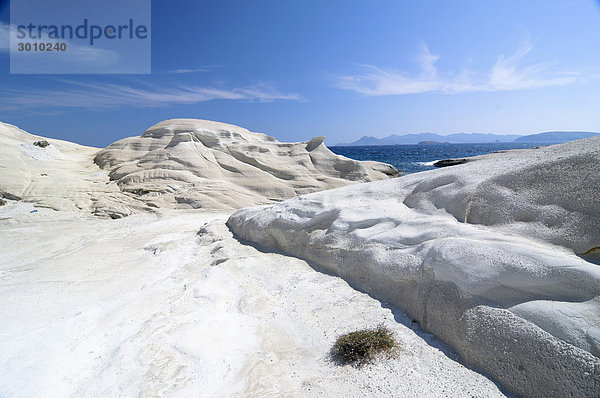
[(343, 69)]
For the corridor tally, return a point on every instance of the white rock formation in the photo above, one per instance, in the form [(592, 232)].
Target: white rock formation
[(189, 163), (61, 176), (495, 256), (171, 305), (181, 163)]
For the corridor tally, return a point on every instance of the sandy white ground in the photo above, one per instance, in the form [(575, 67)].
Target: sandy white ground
[(171, 305)]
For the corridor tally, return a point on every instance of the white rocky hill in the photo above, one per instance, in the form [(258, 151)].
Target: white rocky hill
[(60, 175), (180, 163), (188, 163), (498, 257)]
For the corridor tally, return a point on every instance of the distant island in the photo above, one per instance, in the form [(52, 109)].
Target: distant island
[(470, 138), (432, 143)]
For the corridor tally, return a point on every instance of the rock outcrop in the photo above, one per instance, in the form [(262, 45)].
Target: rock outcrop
[(181, 163), (450, 162), (193, 163), (496, 257), (55, 174)]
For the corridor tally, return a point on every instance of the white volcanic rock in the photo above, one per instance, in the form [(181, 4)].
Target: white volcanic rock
[(494, 256), (61, 176), (189, 163), (180, 163), (171, 305)]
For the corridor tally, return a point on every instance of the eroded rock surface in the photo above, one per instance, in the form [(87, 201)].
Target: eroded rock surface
[(201, 164), (492, 256), (181, 163)]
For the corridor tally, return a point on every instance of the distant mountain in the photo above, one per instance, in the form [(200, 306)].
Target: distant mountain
[(471, 138), (416, 138), (556, 136)]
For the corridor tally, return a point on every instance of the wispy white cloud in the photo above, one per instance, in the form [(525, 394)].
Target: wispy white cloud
[(202, 69), (507, 74), (197, 70), (111, 96), (179, 71)]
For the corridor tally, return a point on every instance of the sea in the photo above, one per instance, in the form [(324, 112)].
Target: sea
[(416, 158)]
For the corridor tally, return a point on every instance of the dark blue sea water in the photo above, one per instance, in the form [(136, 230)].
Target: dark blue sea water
[(415, 158)]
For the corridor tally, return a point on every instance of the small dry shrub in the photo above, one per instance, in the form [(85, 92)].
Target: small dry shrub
[(41, 144), (361, 347)]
